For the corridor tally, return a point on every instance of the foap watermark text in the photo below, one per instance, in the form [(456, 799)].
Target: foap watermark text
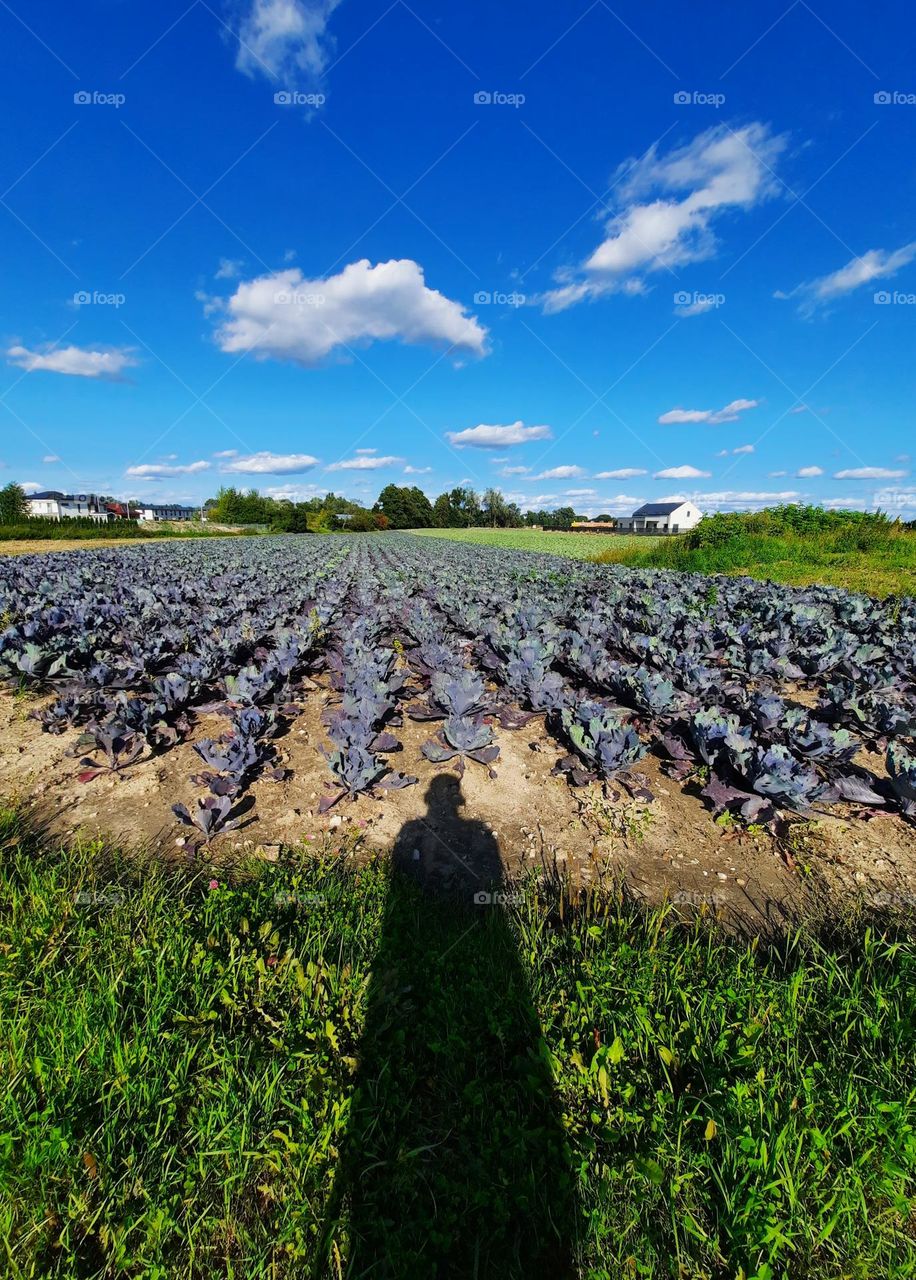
[(96, 298), (95, 98), (696, 98), (495, 98), (487, 298)]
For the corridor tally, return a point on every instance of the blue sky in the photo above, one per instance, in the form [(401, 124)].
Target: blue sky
[(593, 254)]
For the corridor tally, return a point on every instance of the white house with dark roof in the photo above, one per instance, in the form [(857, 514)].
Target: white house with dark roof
[(49, 504), (662, 517)]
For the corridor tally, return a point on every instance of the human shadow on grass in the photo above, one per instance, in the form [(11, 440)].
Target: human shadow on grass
[(455, 1162)]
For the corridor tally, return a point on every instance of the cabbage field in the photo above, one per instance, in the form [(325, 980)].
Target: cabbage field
[(772, 700)]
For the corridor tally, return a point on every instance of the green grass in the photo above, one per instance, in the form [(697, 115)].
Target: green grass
[(579, 546), (877, 559), (880, 567), (316, 1071)]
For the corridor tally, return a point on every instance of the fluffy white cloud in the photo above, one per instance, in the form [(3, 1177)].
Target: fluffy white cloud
[(728, 413), (416, 471), (271, 464), (622, 473), (514, 471), (732, 453), (668, 206), (561, 473), (78, 362), (876, 264), (50, 457), (808, 473), (159, 470), (681, 473), (870, 473), (485, 437), (580, 493), (31, 486), (286, 40), (285, 316), (365, 462), (226, 453)]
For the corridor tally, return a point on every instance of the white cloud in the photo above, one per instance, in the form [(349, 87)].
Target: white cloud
[(484, 437), (870, 473), (799, 408), (728, 413), (295, 492), (580, 493), (271, 464), (732, 453), (730, 498), (364, 462), (681, 473), (416, 471), (226, 453), (668, 205), (157, 470), (621, 504), (622, 473), (229, 268), (876, 264), (514, 471), (78, 362), (776, 475), (807, 473), (373, 450), (50, 457), (285, 40), (287, 317), (561, 473), (31, 486)]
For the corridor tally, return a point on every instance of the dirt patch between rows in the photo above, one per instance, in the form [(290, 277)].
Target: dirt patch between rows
[(669, 848)]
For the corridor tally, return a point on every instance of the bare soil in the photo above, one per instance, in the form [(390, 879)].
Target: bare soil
[(26, 547), (666, 848)]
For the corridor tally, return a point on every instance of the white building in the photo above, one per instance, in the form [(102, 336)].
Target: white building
[(662, 517), (51, 505), (164, 511)]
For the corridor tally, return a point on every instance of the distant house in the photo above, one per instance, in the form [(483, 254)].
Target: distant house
[(662, 517), (52, 505), (165, 511)]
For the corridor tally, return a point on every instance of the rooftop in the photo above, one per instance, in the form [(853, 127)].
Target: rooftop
[(658, 508)]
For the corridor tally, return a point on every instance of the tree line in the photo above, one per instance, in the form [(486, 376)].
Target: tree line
[(397, 507)]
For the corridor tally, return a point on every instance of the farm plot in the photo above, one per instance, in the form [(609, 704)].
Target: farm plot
[(202, 681)]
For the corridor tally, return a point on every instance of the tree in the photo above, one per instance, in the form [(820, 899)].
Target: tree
[(442, 512), (13, 509), (405, 508), (464, 508)]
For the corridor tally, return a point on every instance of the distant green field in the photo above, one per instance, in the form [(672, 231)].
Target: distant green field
[(580, 546)]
